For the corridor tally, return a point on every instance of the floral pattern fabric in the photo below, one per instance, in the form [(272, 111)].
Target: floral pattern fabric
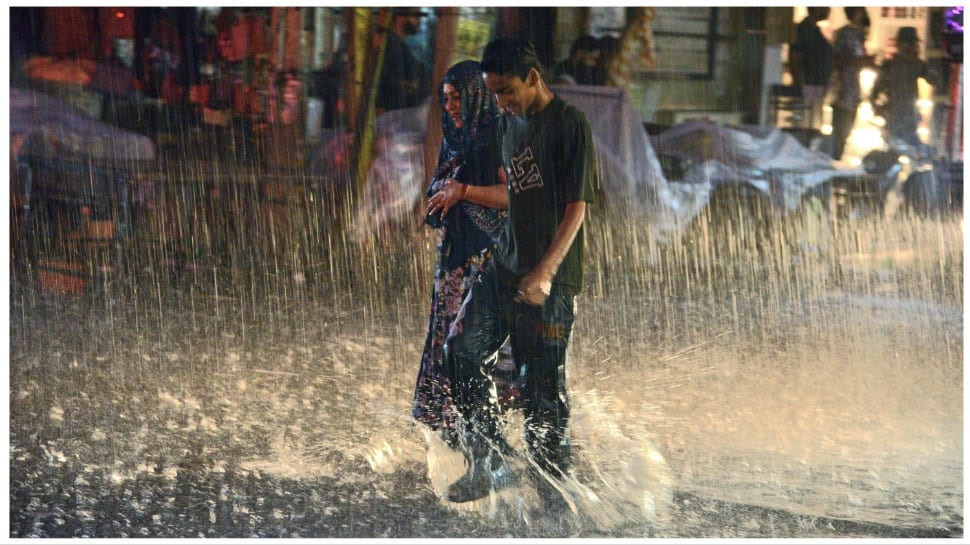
[(467, 237)]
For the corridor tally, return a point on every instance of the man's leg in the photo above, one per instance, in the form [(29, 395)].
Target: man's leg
[(478, 331), (539, 341), (813, 96), (843, 119)]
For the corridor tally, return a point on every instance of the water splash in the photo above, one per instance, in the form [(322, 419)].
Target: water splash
[(819, 376)]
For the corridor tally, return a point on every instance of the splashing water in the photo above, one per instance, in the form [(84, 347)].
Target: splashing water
[(722, 386)]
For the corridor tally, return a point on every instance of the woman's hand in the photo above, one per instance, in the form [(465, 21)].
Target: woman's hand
[(441, 202)]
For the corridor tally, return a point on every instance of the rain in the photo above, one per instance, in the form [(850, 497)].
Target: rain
[(206, 341)]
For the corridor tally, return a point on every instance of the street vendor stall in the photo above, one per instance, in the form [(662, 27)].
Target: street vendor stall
[(75, 185)]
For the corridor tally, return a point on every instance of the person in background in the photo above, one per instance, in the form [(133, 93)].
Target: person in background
[(580, 66), (811, 62), (24, 43), (467, 198), (526, 292), (896, 90), (609, 49), (403, 75), (849, 59)]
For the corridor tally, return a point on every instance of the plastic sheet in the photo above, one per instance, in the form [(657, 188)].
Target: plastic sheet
[(396, 179), (629, 166), (40, 124), (746, 152)]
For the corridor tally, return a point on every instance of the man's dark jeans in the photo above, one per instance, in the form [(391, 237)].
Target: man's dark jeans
[(539, 337), (843, 120)]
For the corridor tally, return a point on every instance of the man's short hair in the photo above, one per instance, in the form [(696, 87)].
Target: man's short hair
[(510, 55), (850, 12), (408, 12), (585, 42)]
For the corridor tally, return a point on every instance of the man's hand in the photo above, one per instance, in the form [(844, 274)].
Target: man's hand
[(534, 289)]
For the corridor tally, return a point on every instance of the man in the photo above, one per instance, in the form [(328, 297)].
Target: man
[(898, 82), (609, 51), (404, 79), (811, 59), (849, 59), (581, 65), (526, 293)]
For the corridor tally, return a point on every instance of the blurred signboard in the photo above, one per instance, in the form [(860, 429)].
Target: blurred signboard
[(474, 27)]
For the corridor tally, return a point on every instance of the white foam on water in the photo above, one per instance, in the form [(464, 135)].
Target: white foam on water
[(616, 478)]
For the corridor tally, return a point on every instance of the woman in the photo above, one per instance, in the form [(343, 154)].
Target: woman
[(466, 201)]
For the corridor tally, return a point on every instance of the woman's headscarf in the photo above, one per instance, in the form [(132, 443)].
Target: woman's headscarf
[(478, 110), (471, 226)]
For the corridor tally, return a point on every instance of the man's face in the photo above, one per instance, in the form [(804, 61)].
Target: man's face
[(909, 49), (411, 24), (513, 94), (819, 13), (860, 17)]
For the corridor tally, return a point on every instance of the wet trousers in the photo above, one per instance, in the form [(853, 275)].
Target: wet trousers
[(843, 120), (539, 337), (902, 124)]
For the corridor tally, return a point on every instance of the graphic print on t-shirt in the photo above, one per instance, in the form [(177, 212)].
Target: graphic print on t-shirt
[(524, 173)]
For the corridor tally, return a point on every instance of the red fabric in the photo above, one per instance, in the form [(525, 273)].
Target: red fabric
[(69, 31), (117, 23), (245, 38)]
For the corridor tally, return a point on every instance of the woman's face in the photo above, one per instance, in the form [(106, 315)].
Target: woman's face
[(452, 103)]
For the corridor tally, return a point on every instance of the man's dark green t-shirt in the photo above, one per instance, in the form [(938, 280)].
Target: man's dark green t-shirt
[(549, 161)]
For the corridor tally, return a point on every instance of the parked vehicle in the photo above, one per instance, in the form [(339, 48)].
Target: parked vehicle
[(920, 187), (901, 178)]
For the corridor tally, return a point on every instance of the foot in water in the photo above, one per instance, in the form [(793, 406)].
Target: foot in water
[(508, 392), (484, 476), (552, 497)]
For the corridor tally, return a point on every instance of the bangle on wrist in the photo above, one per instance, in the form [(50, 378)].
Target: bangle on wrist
[(464, 191)]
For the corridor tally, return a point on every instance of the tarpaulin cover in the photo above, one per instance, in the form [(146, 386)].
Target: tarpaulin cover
[(629, 167), (43, 125), (750, 152), (396, 179), (711, 154)]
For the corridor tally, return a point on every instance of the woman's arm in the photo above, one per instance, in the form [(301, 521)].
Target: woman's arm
[(492, 196), (453, 191)]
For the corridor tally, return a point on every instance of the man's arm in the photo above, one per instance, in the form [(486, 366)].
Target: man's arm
[(879, 86), (929, 73), (796, 57), (534, 288)]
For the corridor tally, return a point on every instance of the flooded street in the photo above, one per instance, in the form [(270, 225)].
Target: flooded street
[(788, 394)]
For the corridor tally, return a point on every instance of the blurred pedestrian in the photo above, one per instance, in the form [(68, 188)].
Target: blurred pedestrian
[(526, 292), (403, 76), (609, 49), (580, 66), (811, 62), (849, 59), (466, 204), (896, 88)]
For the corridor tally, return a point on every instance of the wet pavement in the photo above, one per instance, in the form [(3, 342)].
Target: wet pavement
[(818, 398)]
